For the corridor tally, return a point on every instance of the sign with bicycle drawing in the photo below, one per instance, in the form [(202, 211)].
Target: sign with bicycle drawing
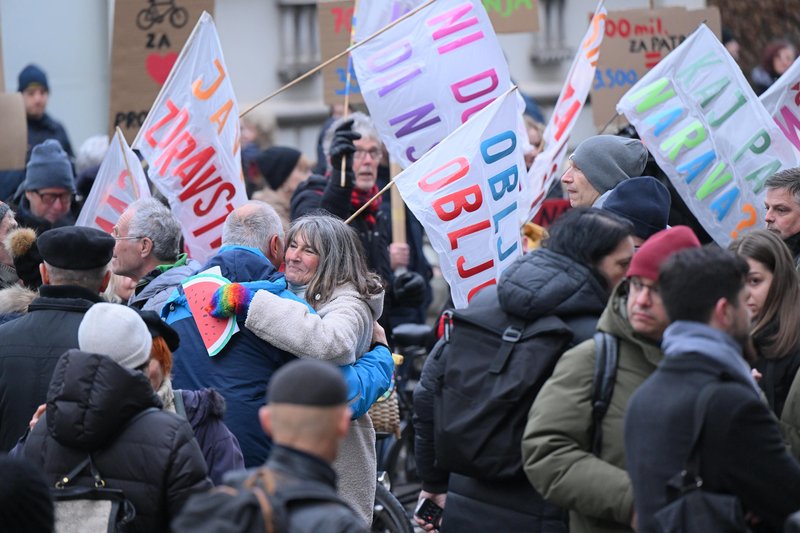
[(148, 35)]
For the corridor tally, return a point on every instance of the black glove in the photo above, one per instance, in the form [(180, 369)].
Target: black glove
[(342, 146), (409, 290)]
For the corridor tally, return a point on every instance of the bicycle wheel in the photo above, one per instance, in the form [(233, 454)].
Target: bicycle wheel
[(178, 17), (388, 516), (144, 20), (401, 467)]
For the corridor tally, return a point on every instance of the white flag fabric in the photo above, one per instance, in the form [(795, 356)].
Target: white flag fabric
[(782, 101), (429, 74), (466, 193), (546, 167), (120, 181), (709, 132), (191, 141), (372, 15)]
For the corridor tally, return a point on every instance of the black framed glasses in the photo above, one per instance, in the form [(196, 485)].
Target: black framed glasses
[(49, 198)]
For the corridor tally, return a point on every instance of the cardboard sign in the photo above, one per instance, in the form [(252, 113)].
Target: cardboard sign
[(709, 132), (782, 101), (513, 16), (466, 194), (429, 74), (546, 167), (635, 41), (191, 141), (14, 133), (334, 20), (147, 38), (120, 181)]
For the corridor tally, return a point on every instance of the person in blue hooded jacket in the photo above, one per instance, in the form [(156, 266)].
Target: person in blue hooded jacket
[(252, 247)]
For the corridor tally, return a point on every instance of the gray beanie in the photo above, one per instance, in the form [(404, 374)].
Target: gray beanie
[(49, 166), (116, 331), (606, 160)]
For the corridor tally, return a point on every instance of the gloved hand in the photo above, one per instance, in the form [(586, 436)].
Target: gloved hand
[(231, 299), (409, 290), (342, 146)]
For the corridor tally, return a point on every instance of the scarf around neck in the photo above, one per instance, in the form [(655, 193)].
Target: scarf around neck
[(359, 197)]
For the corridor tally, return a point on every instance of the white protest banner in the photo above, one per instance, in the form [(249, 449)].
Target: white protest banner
[(708, 131), (546, 167), (429, 74), (782, 101), (120, 181), (191, 141), (465, 192), (372, 16)]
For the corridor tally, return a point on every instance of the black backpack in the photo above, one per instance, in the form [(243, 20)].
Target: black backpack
[(251, 506), (494, 366)]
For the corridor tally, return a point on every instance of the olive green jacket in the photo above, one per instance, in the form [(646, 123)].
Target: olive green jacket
[(557, 440)]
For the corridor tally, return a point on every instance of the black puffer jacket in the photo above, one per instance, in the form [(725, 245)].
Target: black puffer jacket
[(155, 460), (542, 283), (29, 349)]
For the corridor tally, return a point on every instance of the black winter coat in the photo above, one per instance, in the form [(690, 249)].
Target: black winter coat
[(741, 449), (154, 460), (542, 283), (29, 349)]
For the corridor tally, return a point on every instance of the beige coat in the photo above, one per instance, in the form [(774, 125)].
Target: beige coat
[(341, 332)]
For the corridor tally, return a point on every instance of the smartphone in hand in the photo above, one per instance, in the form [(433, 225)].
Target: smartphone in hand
[(429, 512)]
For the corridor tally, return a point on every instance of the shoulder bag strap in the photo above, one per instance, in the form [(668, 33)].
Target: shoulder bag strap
[(700, 407), (180, 408)]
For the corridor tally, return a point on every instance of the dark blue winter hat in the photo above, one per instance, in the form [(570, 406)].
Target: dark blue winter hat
[(644, 201), (32, 75)]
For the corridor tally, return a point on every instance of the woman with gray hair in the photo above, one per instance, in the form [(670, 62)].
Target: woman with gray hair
[(325, 266)]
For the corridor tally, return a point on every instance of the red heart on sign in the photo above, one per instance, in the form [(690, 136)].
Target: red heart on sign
[(158, 66)]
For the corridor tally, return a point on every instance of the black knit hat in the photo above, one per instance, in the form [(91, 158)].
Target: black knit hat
[(276, 163), (32, 75), (308, 382), (25, 501), (644, 201)]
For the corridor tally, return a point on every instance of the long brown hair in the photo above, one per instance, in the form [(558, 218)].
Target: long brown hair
[(341, 258), (781, 310)]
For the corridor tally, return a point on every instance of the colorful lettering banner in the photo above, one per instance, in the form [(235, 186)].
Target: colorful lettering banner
[(191, 141), (782, 101), (147, 37), (635, 41), (546, 167), (429, 74), (120, 181), (707, 130), (507, 16), (465, 192)]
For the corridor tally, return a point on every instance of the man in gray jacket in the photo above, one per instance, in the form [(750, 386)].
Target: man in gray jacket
[(148, 251)]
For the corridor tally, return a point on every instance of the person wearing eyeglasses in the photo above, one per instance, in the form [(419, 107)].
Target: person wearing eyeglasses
[(355, 141), (147, 250), (559, 456), (45, 197)]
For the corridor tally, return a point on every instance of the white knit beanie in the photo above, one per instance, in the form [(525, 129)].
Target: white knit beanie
[(116, 331)]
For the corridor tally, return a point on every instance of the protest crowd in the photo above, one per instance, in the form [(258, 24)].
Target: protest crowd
[(197, 330)]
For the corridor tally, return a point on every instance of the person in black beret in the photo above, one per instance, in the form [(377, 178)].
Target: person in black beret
[(307, 417), (283, 169), (74, 272)]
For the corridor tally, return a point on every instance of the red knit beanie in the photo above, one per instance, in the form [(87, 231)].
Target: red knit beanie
[(655, 250)]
